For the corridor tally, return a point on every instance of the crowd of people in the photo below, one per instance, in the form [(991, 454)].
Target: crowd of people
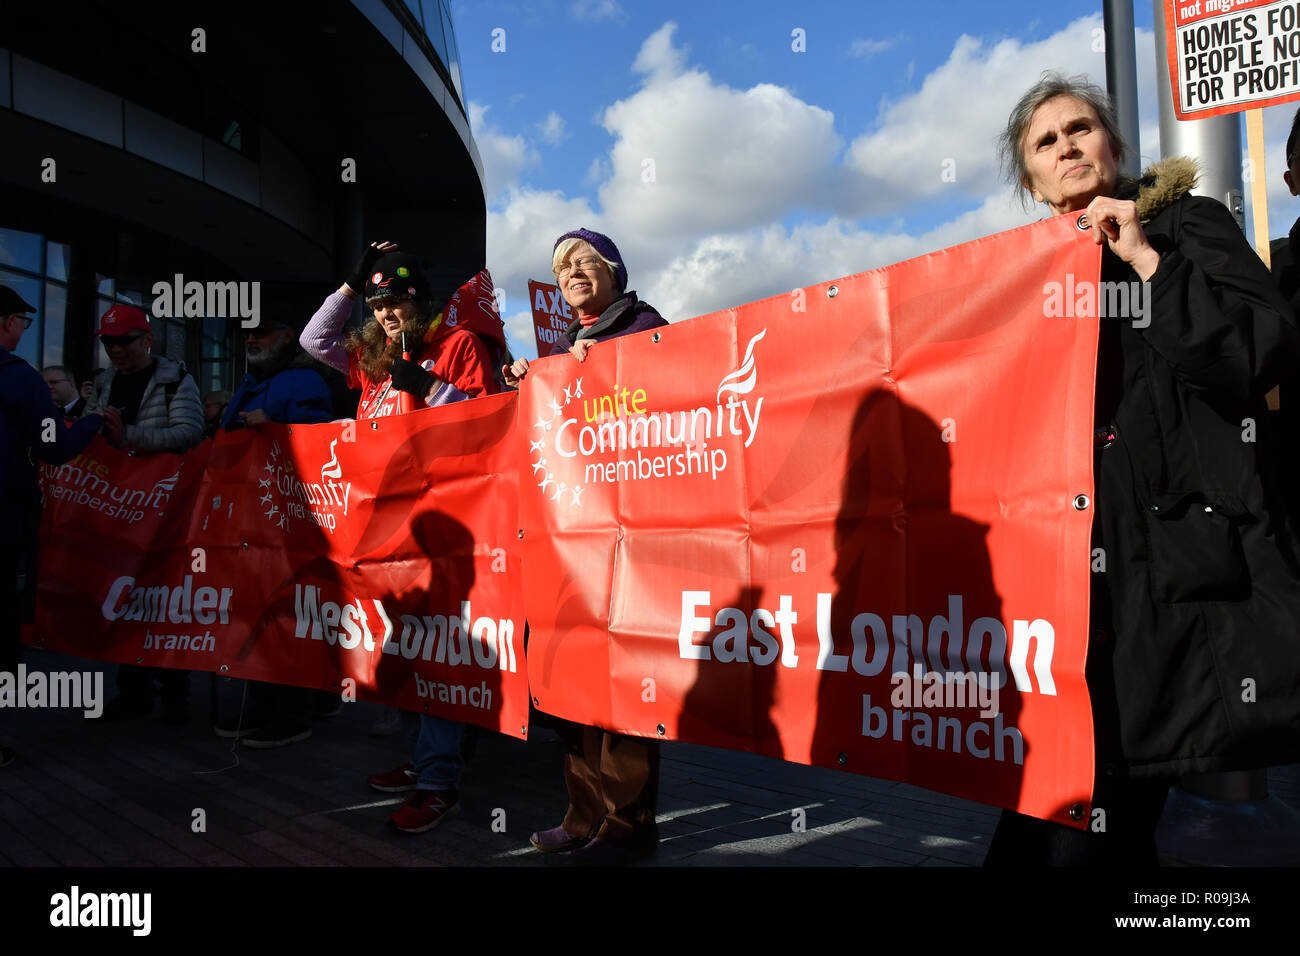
[(1203, 583)]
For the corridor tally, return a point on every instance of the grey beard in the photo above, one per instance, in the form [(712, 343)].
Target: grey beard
[(267, 358)]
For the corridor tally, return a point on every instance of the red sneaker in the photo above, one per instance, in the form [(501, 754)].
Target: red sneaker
[(395, 781), (425, 810)]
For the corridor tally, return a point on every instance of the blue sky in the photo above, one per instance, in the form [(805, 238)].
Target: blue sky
[(729, 167)]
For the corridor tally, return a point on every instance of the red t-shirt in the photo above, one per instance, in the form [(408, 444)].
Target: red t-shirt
[(456, 356)]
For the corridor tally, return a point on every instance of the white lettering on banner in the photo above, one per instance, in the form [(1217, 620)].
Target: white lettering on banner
[(620, 422), (945, 646), (454, 640), (159, 604), (479, 697), (877, 721)]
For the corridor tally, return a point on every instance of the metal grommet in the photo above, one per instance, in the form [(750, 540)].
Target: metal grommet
[(842, 759), (374, 426), (523, 731), (1155, 508), (1209, 510), (224, 668), (832, 292), (655, 337), (244, 546), (1081, 502), (536, 702), (1076, 812), (661, 730), (521, 532), (1082, 223), (139, 660)]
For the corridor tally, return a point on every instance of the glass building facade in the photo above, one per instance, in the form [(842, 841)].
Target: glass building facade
[(132, 156)]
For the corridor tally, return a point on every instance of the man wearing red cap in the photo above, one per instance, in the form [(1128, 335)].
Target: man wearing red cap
[(150, 402), (31, 429)]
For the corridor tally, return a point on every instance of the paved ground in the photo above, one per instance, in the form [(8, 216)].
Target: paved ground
[(91, 793)]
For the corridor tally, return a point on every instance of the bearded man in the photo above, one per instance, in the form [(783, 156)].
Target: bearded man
[(280, 385)]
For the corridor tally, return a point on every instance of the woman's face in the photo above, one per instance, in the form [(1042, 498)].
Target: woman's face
[(588, 287), (394, 314), (1069, 160)]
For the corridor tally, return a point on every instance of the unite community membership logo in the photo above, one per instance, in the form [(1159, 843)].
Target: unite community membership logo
[(619, 436)]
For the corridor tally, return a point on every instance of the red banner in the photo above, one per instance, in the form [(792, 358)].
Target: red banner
[(551, 314), (846, 527), (380, 552)]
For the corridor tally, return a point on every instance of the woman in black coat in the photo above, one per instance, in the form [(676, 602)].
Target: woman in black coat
[(1194, 647)]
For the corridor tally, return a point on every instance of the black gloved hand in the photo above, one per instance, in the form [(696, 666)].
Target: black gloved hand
[(365, 266), (409, 377)]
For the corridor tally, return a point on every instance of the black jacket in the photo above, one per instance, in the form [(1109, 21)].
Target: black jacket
[(1194, 659)]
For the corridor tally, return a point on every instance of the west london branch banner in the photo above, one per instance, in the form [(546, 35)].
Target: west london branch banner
[(384, 552), (847, 526)]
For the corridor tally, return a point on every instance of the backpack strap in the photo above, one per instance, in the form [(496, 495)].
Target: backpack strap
[(169, 390)]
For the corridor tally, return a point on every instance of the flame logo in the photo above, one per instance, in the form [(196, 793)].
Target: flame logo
[(733, 382), (166, 485), (332, 467)]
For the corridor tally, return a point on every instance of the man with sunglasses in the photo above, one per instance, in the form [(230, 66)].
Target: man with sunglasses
[(31, 430), (150, 402)]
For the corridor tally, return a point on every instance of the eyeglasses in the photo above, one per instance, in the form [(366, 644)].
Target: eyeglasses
[(120, 341), (583, 264), (27, 319)]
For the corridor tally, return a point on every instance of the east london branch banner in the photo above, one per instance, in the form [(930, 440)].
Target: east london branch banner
[(1231, 55), (776, 528), (848, 526), (383, 551)]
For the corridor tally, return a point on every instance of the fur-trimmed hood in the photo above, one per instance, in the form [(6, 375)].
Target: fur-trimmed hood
[(1162, 185)]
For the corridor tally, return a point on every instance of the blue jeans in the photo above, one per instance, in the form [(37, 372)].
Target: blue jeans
[(435, 753)]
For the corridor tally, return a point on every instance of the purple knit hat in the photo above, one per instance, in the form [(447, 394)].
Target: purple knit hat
[(605, 246)]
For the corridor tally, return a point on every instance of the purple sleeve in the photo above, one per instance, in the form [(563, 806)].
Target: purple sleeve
[(323, 337)]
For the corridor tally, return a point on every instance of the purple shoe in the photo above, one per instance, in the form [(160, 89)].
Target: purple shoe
[(556, 840)]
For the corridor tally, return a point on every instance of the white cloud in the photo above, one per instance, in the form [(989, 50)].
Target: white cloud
[(691, 155), (749, 193), (596, 9), (552, 129), (504, 157)]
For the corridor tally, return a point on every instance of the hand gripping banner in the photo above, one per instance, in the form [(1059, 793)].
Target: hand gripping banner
[(847, 526), (384, 552)]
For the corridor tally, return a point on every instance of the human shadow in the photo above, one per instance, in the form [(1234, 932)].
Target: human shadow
[(915, 598)]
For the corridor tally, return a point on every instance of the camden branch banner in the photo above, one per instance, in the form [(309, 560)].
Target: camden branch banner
[(847, 526), (1226, 56), (382, 551)]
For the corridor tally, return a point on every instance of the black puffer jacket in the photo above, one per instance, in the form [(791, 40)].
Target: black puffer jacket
[(1194, 659)]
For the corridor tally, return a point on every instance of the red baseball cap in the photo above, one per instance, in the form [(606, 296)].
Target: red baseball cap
[(121, 319)]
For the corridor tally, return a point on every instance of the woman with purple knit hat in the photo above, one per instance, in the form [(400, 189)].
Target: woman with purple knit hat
[(612, 779)]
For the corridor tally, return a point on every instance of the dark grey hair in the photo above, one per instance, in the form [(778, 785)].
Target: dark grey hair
[(1051, 85)]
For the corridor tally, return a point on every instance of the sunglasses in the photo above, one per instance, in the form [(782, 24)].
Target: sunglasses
[(120, 341)]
